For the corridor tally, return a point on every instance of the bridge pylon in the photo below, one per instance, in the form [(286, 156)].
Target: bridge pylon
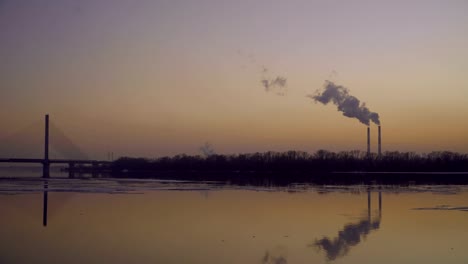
[(46, 162)]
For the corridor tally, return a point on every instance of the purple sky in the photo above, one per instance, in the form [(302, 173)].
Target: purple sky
[(146, 78)]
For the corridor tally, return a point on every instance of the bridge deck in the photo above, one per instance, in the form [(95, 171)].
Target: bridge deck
[(55, 161)]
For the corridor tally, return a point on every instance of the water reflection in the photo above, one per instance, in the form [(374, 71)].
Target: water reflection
[(155, 224), (275, 256), (351, 233), (45, 203)]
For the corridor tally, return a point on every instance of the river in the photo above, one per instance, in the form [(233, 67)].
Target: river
[(62, 220)]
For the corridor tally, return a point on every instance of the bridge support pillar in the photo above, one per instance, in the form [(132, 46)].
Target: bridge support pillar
[(94, 169), (71, 170), (45, 169)]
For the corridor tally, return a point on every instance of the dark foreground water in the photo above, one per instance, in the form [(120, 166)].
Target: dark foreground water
[(150, 221)]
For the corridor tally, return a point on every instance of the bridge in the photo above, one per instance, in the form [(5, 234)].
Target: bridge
[(72, 163)]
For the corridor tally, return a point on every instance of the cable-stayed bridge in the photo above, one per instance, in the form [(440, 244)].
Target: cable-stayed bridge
[(62, 144)]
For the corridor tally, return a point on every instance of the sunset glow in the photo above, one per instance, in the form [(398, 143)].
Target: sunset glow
[(152, 78)]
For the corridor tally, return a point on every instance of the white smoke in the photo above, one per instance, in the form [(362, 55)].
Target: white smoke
[(277, 84), (349, 105), (271, 82), (207, 150)]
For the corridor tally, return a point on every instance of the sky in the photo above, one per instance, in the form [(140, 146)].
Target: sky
[(154, 78)]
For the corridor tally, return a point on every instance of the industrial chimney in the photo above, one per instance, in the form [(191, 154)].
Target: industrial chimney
[(368, 141), (380, 142)]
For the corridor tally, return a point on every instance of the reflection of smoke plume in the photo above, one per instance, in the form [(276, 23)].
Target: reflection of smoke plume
[(277, 84), (207, 150), (346, 103), (270, 258), (348, 237)]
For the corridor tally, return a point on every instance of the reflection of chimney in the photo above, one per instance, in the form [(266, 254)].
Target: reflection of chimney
[(368, 204), (380, 204), (380, 143), (368, 140)]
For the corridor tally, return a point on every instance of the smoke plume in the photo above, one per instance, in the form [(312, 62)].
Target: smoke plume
[(346, 103), (207, 150), (277, 85), (271, 82)]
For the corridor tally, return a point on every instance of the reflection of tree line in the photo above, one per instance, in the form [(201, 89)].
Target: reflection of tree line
[(297, 165), (351, 234)]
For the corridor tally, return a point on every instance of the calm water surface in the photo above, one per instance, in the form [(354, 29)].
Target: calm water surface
[(149, 221)]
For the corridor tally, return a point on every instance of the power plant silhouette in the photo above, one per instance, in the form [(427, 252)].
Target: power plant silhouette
[(379, 142)]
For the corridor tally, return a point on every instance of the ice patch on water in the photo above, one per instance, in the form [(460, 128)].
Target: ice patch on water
[(138, 186), (112, 186), (444, 208)]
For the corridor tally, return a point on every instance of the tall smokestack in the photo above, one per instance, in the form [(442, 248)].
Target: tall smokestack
[(368, 140), (380, 142)]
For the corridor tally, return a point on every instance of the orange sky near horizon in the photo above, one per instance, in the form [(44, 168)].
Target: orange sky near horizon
[(160, 78)]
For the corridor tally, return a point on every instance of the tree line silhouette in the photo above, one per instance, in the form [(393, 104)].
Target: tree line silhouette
[(320, 166)]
